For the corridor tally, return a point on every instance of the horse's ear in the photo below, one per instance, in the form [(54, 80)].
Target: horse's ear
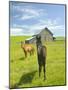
[(21, 42)]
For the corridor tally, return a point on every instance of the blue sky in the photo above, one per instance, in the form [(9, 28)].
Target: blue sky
[(30, 18)]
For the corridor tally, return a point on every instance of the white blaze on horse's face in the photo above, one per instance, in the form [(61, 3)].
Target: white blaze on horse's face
[(38, 40)]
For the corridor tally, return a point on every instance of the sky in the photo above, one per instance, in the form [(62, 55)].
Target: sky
[(31, 18)]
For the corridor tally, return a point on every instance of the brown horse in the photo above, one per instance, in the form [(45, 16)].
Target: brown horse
[(27, 48), (41, 53)]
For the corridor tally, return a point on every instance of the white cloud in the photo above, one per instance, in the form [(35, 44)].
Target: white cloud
[(25, 17), (28, 13), (60, 27), (49, 22), (19, 32), (31, 11), (15, 31), (53, 25)]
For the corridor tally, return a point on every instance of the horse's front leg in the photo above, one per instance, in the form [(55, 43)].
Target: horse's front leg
[(30, 53), (25, 54)]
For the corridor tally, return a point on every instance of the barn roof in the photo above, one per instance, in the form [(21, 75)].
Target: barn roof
[(43, 30), (47, 30), (30, 38)]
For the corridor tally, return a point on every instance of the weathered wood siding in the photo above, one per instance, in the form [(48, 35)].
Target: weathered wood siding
[(46, 36)]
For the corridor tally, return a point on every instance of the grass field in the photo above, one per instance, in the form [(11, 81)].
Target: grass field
[(24, 72)]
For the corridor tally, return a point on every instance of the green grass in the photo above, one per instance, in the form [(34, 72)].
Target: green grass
[(24, 72)]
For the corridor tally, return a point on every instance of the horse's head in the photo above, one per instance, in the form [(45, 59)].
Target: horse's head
[(22, 44), (38, 39)]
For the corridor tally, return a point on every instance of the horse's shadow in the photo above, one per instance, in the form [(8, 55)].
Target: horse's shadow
[(25, 79)]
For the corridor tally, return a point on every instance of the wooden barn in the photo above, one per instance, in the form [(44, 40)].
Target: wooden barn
[(46, 35)]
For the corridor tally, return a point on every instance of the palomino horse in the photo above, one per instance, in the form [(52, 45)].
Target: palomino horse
[(41, 53), (27, 48)]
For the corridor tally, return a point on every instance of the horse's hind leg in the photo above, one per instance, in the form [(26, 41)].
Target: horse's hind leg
[(33, 51), (40, 68), (44, 72)]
